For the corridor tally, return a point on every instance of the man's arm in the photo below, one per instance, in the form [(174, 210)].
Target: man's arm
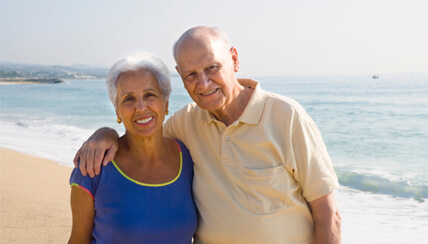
[(99, 148), (327, 219)]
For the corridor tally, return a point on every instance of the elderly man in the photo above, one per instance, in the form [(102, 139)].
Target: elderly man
[(262, 173)]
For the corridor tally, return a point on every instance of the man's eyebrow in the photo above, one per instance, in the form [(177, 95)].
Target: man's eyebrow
[(189, 71)]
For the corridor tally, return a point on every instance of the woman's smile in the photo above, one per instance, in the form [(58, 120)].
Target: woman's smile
[(144, 121)]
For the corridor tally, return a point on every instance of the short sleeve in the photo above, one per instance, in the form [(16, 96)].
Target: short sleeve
[(176, 127), (168, 129), (315, 171), (85, 183)]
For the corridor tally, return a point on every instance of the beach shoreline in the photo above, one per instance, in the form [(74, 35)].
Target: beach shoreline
[(9, 81), (35, 195), (35, 206)]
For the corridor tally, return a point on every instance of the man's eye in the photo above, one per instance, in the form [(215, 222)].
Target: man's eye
[(213, 69), (191, 76)]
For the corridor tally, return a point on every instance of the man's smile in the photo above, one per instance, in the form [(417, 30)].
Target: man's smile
[(209, 92)]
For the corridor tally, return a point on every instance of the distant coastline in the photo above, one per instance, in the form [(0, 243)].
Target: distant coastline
[(30, 81)]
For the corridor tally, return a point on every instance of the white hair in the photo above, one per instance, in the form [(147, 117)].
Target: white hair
[(215, 31), (135, 62)]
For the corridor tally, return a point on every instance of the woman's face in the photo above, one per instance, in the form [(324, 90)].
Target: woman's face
[(140, 103)]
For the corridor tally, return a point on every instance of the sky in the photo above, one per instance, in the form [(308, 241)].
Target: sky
[(272, 37)]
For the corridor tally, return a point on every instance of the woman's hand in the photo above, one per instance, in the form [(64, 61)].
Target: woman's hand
[(101, 147)]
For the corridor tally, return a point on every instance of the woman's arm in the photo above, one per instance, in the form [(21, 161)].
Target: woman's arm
[(82, 208)]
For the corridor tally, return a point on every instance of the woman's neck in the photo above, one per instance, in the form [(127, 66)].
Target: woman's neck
[(148, 149)]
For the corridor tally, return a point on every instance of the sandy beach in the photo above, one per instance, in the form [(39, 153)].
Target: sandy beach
[(34, 199), (35, 207)]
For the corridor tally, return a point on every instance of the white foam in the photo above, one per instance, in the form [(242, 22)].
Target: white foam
[(43, 139), (378, 218)]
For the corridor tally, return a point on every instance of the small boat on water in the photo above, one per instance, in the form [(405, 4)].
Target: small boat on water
[(375, 77)]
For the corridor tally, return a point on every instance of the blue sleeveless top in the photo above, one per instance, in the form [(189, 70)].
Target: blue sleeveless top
[(128, 211)]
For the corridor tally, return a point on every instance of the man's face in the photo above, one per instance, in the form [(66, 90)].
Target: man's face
[(207, 69)]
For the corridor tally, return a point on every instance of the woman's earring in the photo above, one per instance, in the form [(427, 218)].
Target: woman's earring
[(119, 121), (166, 112)]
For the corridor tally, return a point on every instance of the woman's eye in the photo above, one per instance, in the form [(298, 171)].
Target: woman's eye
[(150, 95), (128, 99)]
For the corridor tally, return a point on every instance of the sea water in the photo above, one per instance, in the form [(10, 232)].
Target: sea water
[(376, 131)]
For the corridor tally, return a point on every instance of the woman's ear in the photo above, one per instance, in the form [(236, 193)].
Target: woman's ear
[(117, 114)]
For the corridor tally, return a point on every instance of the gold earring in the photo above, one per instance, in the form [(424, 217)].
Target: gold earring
[(119, 121), (166, 112)]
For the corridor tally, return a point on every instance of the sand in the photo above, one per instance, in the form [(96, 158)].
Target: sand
[(35, 205)]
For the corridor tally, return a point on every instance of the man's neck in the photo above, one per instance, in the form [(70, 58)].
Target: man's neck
[(232, 111)]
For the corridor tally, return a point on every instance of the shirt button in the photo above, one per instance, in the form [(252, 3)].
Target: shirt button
[(227, 138)]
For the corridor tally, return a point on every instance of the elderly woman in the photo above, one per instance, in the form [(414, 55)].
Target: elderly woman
[(144, 195)]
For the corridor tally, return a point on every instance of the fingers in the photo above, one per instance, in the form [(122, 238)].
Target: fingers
[(85, 157), (82, 166), (90, 160), (109, 156), (76, 158), (92, 155), (99, 149), (98, 159)]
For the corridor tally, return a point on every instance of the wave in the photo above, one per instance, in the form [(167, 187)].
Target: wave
[(380, 185), (43, 138), (48, 138)]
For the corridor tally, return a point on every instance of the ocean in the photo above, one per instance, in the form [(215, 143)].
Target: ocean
[(376, 131)]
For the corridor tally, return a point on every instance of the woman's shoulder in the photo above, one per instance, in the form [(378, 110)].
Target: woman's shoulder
[(181, 146), (185, 153)]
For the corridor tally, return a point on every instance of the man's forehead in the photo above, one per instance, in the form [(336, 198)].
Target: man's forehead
[(206, 47), (197, 58), (202, 40)]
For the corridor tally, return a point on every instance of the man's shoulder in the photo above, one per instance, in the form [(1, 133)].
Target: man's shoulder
[(190, 109), (188, 114), (284, 102), (182, 122)]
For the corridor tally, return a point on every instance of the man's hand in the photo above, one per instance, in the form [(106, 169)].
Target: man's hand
[(327, 220), (99, 148)]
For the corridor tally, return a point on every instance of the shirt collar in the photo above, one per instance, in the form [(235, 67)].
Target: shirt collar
[(254, 110)]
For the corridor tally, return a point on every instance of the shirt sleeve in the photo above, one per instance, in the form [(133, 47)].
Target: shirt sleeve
[(315, 172), (176, 126), (168, 128), (85, 183)]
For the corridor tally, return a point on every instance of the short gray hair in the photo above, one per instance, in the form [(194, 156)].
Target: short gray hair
[(219, 33), (135, 62)]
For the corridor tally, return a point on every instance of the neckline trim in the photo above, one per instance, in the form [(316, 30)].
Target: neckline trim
[(153, 185)]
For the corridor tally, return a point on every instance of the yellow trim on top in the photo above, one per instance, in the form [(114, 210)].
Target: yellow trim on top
[(152, 185), (75, 184)]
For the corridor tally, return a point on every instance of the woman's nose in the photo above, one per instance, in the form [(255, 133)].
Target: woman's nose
[(141, 105)]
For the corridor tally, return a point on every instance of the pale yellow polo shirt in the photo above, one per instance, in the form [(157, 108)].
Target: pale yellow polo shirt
[(251, 179)]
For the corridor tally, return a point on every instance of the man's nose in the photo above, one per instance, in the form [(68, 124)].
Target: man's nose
[(203, 81)]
